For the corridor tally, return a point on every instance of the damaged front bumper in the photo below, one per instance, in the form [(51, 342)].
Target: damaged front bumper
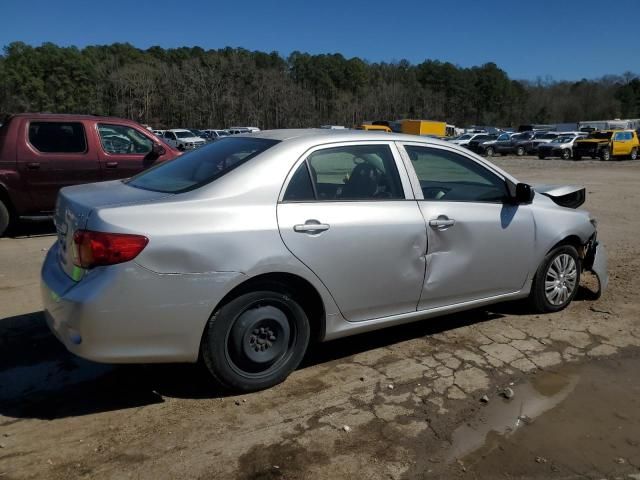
[(595, 261)]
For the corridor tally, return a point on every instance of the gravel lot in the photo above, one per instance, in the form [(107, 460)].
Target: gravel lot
[(401, 403)]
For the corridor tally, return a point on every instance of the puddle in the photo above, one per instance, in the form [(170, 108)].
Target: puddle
[(502, 417)]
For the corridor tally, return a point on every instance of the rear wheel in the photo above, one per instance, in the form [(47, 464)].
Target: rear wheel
[(605, 155), (489, 151), (520, 151), (566, 154), (255, 341), (5, 218), (634, 154), (556, 281)]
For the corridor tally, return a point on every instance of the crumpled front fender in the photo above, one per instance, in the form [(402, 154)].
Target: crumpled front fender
[(597, 263)]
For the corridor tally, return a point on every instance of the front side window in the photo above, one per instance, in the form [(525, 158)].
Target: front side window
[(58, 137), (120, 139), (448, 176), (355, 172), (201, 167)]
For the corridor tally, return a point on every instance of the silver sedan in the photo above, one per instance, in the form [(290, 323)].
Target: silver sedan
[(242, 252)]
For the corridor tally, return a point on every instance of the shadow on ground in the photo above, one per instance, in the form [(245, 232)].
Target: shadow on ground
[(40, 379)]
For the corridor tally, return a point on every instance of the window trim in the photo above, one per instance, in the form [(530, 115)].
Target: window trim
[(401, 168), (415, 181), (102, 149), (40, 152)]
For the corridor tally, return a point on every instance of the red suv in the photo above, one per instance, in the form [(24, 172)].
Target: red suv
[(41, 153)]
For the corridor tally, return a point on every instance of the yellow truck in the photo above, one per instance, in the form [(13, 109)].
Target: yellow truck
[(425, 127), (379, 128)]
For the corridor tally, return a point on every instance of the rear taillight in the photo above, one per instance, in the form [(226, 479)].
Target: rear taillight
[(93, 249)]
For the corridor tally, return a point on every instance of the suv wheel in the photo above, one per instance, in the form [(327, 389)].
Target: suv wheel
[(520, 151), (489, 151), (566, 154), (605, 155), (556, 281), (5, 218), (634, 154), (255, 341)]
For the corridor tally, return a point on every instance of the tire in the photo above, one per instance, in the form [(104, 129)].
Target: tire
[(255, 341), (556, 281), (542, 156), (634, 154), (520, 151), (489, 152), (5, 218), (605, 155), (566, 154)]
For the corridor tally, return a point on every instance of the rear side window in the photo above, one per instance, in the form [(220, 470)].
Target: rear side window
[(201, 167), (355, 172), (58, 137)]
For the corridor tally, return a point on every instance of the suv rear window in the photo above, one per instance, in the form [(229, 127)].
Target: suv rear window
[(58, 137), (200, 167)]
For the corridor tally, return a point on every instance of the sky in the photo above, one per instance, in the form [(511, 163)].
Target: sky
[(562, 39)]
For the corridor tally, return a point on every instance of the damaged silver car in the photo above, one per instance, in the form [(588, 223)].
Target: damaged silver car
[(242, 252)]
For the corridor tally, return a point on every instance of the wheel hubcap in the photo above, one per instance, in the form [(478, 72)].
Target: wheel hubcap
[(560, 281), (259, 339)]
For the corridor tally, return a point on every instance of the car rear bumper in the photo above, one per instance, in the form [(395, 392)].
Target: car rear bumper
[(127, 314)]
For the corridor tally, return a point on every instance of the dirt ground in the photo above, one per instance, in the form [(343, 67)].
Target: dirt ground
[(402, 403)]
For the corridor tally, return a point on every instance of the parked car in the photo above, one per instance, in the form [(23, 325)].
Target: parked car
[(558, 147), (41, 153), (479, 144), (212, 135), (242, 252), (158, 133), (509, 143), (530, 146), (238, 130), (606, 144), (466, 138), (183, 139)]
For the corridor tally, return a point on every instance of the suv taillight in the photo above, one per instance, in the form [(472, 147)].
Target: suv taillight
[(93, 249)]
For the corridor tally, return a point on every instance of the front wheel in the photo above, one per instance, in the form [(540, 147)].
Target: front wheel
[(556, 281), (605, 155), (566, 154), (634, 154), (489, 151), (255, 341), (520, 151)]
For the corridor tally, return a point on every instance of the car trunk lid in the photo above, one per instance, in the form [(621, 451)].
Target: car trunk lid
[(74, 207)]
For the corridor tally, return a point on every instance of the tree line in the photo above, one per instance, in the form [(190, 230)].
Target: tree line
[(201, 88)]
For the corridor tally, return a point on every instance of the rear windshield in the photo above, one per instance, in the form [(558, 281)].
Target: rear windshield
[(200, 167)]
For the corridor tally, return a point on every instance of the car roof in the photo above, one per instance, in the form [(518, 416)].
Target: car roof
[(73, 116), (342, 135)]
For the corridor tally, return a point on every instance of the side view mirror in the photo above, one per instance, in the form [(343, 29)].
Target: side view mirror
[(523, 193), (158, 149)]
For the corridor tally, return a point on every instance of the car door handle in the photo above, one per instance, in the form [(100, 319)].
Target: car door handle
[(311, 226), (111, 164), (441, 223), (33, 165)]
